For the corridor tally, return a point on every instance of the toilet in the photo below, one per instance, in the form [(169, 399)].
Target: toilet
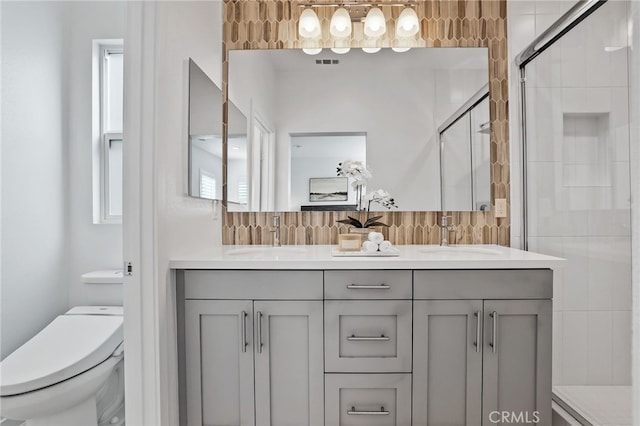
[(72, 372)]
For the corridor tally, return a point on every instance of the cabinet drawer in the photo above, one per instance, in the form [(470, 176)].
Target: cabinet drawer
[(367, 399), (484, 284), (367, 336), (367, 284), (256, 285)]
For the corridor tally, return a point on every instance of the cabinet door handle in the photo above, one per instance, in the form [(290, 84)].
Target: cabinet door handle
[(381, 338), (243, 329), (354, 412), (368, 287), (260, 344), (494, 332), (477, 342)]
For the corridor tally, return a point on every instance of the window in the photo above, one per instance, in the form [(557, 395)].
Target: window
[(108, 103), (207, 185), (243, 192)]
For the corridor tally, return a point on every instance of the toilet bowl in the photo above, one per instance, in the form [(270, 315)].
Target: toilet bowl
[(71, 373)]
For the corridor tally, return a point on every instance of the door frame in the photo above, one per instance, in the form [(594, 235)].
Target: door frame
[(144, 379)]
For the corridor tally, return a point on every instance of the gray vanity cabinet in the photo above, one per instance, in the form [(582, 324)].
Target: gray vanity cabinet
[(447, 362), (251, 360), (517, 360), (289, 366), (219, 362), (476, 357)]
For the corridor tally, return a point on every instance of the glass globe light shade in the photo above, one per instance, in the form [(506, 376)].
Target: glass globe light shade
[(312, 50), (375, 23), (340, 23), (309, 24), (340, 50), (407, 24)]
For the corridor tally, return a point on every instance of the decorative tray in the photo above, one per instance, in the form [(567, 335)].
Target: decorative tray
[(391, 253)]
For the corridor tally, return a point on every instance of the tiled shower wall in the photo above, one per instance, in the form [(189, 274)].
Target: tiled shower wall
[(579, 194), (272, 24)]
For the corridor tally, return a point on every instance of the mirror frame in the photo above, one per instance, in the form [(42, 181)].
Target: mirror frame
[(257, 24)]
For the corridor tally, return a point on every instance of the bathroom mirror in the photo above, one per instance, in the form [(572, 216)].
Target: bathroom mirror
[(205, 140), (308, 113), (205, 135)]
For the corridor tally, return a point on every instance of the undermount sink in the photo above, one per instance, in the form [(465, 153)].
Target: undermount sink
[(459, 249), (265, 251)]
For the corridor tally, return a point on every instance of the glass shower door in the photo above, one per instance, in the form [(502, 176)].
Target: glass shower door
[(578, 198)]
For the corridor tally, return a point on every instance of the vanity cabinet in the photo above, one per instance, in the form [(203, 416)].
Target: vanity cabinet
[(253, 362), (447, 362), (366, 347), (475, 357)]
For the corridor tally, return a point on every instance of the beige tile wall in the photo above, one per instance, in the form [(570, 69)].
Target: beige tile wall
[(271, 24)]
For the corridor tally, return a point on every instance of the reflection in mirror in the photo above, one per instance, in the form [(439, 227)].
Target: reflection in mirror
[(315, 156), (394, 102), (205, 143), (465, 156), (205, 135)]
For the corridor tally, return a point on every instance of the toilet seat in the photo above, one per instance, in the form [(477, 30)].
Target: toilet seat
[(73, 343)]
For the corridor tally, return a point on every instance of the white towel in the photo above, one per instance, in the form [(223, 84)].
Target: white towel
[(386, 246), (376, 237), (369, 247)]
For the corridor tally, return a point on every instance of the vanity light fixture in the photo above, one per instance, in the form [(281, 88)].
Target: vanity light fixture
[(309, 24), (370, 15), (407, 24), (371, 49), (312, 50), (340, 50), (340, 23), (375, 23)]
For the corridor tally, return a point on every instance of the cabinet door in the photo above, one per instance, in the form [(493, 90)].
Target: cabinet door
[(517, 362), (289, 363), (447, 362), (219, 362)]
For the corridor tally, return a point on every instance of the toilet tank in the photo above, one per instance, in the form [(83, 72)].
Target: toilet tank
[(103, 287)]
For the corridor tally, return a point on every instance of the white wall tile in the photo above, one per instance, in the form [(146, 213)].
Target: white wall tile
[(574, 351), (599, 348), (576, 282), (601, 272), (622, 347), (558, 329)]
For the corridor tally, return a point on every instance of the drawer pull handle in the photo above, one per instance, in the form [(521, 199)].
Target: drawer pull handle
[(381, 338), (243, 328), (477, 342), (354, 412), (260, 342), (494, 332), (368, 287)]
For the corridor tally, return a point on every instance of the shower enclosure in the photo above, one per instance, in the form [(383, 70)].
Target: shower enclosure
[(465, 161), (576, 203)]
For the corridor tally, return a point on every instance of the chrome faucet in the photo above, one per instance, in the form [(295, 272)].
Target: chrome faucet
[(445, 228), (276, 231)]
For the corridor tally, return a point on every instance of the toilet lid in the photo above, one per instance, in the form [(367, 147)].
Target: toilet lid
[(68, 346)]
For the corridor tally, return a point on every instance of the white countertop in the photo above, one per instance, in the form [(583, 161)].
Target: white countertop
[(410, 257)]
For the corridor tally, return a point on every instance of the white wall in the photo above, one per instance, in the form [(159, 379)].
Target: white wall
[(35, 227), (184, 226), (47, 53), (92, 246), (391, 138)]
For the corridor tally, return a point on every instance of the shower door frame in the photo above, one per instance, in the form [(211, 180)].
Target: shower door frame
[(574, 16)]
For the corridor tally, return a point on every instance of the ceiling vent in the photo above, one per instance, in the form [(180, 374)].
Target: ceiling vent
[(327, 61)]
